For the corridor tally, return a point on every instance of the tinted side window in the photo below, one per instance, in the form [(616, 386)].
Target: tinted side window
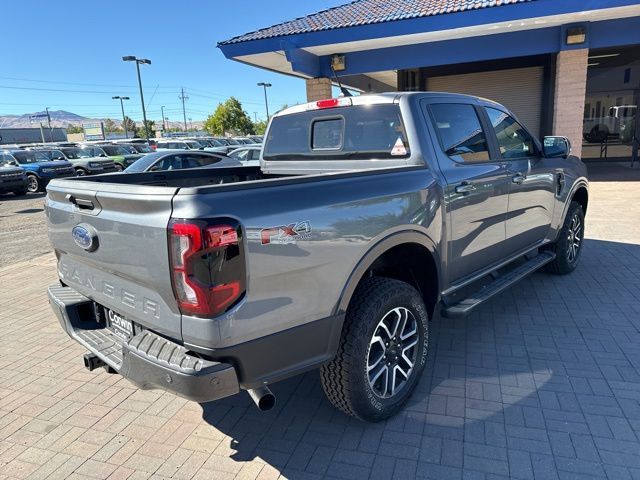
[(196, 161), (460, 132), (171, 162), (513, 140)]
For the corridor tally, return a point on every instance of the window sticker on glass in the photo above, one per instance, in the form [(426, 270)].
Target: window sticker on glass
[(399, 148)]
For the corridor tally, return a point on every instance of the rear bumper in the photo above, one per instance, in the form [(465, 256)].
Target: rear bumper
[(147, 359)]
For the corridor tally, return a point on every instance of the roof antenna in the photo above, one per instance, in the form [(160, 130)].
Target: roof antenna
[(344, 91)]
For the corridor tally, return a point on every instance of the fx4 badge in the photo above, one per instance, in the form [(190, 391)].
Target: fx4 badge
[(285, 234)]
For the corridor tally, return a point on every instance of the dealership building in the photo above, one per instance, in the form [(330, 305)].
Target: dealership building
[(564, 67)]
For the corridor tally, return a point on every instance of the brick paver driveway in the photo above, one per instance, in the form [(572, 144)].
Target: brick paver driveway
[(543, 382)]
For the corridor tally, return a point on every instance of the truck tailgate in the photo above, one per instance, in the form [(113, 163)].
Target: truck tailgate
[(126, 269)]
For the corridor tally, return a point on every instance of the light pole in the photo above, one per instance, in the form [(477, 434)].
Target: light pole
[(131, 58), (164, 127), (124, 119), (266, 103)]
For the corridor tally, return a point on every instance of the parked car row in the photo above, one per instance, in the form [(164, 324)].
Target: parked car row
[(29, 168)]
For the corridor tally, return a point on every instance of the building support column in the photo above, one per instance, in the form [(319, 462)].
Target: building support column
[(318, 89), (569, 97)]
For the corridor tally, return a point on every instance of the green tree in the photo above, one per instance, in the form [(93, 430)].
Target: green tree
[(75, 129), (229, 117), (152, 129), (129, 123), (260, 127), (110, 126)]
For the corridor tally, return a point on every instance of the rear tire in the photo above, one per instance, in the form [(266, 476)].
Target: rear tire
[(385, 317), (568, 246)]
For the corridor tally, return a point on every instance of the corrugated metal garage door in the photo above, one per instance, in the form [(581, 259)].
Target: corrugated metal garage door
[(519, 89)]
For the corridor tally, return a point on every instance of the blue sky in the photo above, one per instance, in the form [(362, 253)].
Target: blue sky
[(66, 55)]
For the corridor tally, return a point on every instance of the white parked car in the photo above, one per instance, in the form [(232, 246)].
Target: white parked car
[(249, 156)]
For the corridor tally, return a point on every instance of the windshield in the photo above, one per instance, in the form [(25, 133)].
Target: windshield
[(89, 152), (54, 154), (72, 153), (353, 132), (30, 156), (193, 144), (143, 163), (115, 150), (141, 148)]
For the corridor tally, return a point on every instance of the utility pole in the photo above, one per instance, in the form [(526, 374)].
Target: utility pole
[(49, 120), (164, 127), (183, 97), (131, 58), (124, 119), (266, 103), (255, 117)]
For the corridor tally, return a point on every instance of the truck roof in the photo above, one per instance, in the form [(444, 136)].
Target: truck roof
[(377, 98)]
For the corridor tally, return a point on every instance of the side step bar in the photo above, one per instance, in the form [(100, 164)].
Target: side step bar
[(466, 306)]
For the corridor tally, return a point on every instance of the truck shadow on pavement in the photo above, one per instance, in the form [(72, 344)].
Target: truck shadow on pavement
[(524, 387)]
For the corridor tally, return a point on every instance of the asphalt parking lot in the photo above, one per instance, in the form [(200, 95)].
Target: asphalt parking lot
[(543, 382)]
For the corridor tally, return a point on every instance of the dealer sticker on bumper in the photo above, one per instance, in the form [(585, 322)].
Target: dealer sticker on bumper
[(119, 325)]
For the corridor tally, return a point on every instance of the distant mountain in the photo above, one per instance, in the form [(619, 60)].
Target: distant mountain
[(62, 119), (59, 118)]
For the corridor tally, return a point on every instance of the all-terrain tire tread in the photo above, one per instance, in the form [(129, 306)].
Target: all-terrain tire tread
[(334, 375)]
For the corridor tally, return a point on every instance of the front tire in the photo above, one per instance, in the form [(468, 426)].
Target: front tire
[(119, 167), (382, 352), (568, 246), (81, 172), (33, 184)]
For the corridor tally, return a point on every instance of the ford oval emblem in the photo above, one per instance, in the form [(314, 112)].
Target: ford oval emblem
[(85, 237)]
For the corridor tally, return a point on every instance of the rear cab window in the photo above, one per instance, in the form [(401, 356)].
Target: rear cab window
[(342, 133)]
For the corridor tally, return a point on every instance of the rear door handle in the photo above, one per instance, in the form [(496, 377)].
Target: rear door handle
[(518, 178), (465, 188)]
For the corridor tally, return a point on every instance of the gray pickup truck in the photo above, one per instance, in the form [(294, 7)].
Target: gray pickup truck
[(366, 215)]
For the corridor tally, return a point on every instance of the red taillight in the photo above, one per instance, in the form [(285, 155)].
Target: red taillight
[(207, 271)]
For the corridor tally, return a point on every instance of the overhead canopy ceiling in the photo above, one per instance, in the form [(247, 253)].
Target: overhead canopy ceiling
[(379, 37)]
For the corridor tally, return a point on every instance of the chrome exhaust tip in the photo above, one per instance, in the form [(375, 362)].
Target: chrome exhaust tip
[(263, 398)]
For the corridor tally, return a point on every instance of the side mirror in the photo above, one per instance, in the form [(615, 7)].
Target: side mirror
[(556, 147)]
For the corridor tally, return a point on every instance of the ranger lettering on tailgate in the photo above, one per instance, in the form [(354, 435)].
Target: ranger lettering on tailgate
[(71, 274)]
